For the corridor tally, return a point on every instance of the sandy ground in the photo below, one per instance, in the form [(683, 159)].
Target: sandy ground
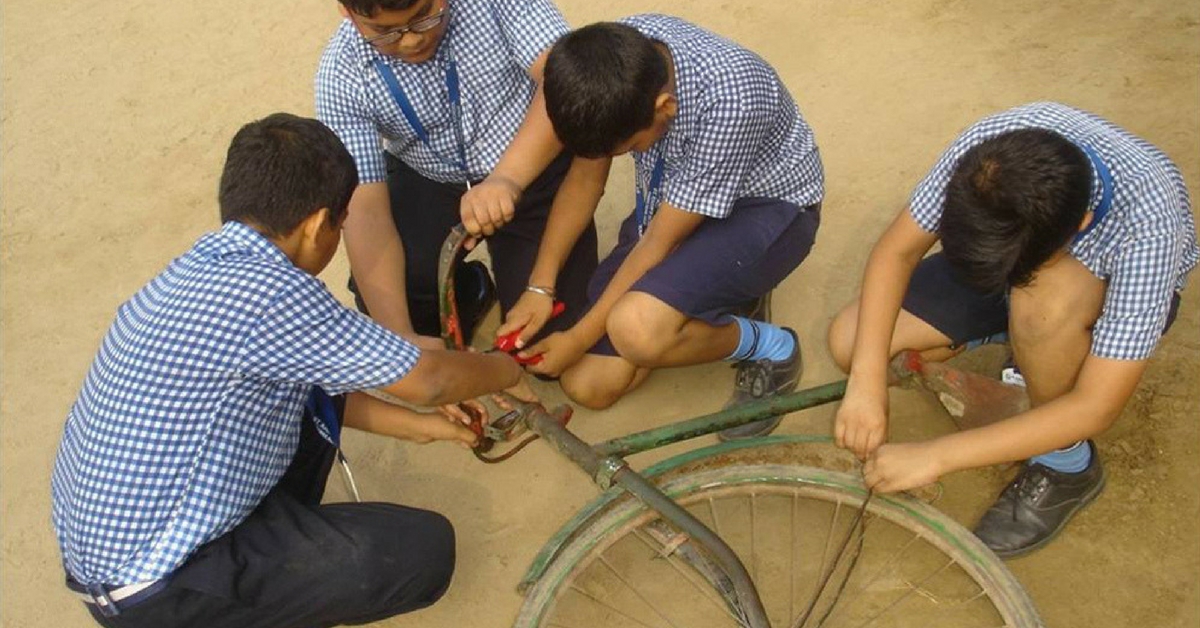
[(116, 116)]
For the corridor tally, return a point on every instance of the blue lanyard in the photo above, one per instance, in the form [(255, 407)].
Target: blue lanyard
[(320, 405), (642, 198), (410, 114), (1106, 192)]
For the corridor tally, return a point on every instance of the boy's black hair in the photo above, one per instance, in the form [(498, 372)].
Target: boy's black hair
[(1013, 201), (601, 82), (281, 169), (368, 8)]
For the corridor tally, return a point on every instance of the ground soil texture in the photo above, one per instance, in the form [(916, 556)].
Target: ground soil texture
[(113, 127)]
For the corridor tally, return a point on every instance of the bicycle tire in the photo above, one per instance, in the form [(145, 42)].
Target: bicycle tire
[(621, 517)]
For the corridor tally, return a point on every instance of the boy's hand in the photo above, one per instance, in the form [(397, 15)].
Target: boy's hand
[(426, 428), (489, 205), (559, 351), (902, 466), (521, 392), (861, 423), (456, 414), (528, 314)]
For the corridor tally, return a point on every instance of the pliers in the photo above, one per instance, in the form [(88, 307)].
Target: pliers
[(508, 342)]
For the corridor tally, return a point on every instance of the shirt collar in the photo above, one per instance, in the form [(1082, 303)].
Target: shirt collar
[(235, 237)]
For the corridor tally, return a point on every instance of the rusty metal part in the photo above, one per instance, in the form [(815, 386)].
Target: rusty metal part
[(973, 400), (453, 250)]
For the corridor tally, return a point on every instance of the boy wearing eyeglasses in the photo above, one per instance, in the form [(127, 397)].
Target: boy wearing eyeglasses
[(451, 88), (729, 185), (1059, 229)]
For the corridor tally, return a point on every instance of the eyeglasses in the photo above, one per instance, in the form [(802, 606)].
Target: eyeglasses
[(422, 25)]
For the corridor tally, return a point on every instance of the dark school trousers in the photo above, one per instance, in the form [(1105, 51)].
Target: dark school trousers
[(294, 563), (425, 211)]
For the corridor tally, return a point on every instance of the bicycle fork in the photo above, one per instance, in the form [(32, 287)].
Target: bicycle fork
[(612, 470)]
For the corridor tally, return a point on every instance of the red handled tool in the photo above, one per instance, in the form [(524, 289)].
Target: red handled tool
[(508, 342)]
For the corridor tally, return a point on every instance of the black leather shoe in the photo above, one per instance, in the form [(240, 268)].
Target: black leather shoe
[(1033, 509), (759, 379), (475, 293)]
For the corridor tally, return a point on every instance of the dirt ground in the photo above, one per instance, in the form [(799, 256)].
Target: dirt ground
[(115, 119)]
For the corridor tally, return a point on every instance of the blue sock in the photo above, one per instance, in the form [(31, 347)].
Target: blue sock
[(1073, 459), (761, 340)]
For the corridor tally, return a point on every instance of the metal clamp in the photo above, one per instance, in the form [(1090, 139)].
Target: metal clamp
[(607, 469)]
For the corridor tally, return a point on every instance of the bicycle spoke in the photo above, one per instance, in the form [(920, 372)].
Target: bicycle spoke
[(837, 509), (608, 606), (687, 573), (753, 553), (883, 569), (792, 557), (636, 592), (712, 509), (905, 595)]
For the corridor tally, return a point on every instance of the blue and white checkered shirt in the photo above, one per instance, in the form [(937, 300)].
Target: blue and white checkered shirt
[(737, 132), (1143, 247), (191, 411), (492, 42)]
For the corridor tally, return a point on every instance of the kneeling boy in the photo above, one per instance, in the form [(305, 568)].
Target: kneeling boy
[(1065, 232), (729, 185), (188, 482)]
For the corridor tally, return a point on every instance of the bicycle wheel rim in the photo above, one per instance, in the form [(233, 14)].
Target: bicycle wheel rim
[(620, 518)]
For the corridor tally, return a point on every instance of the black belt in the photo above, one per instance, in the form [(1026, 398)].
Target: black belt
[(110, 600)]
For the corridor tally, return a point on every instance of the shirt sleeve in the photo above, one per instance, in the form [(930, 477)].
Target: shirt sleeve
[(529, 27), (307, 337), (718, 158), (1138, 299), (341, 105)]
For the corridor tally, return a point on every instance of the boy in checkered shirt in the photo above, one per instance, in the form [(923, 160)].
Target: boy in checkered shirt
[(1066, 233), (188, 482), (729, 186)]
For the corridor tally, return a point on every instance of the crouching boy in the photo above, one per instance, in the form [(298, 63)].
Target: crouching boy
[(729, 186), (1063, 231), (188, 482)]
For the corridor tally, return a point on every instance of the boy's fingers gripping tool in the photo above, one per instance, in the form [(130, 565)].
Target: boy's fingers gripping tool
[(508, 342)]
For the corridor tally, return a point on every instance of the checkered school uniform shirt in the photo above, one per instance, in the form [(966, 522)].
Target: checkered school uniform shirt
[(1144, 246), (191, 411), (737, 133), (493, 43)]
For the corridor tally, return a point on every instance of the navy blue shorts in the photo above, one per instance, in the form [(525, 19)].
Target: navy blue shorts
[(937, 296), (723, 264)]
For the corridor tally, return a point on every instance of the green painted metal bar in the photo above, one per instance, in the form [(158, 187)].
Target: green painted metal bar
[(717, 421)]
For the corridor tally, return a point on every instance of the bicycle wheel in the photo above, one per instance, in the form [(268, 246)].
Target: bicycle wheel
[(915, 566)]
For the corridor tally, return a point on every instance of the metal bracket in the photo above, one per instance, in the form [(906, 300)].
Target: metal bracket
[(607, 469)]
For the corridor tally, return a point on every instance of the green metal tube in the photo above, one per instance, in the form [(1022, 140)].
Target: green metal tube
[(717, 421)]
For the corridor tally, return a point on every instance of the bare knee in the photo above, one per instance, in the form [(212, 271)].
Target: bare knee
[(639, 330), (841, 336), (1033, 323), (587, 391)]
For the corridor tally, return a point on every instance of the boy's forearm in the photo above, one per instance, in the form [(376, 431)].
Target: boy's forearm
[(885, 280), (442, 377), (532, 149), (366, 413), (572, 211), (377, 257)]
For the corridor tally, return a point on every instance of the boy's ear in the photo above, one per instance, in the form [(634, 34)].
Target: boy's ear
[(310, 227), (343, 10), (1088, 217), (666, 105)]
